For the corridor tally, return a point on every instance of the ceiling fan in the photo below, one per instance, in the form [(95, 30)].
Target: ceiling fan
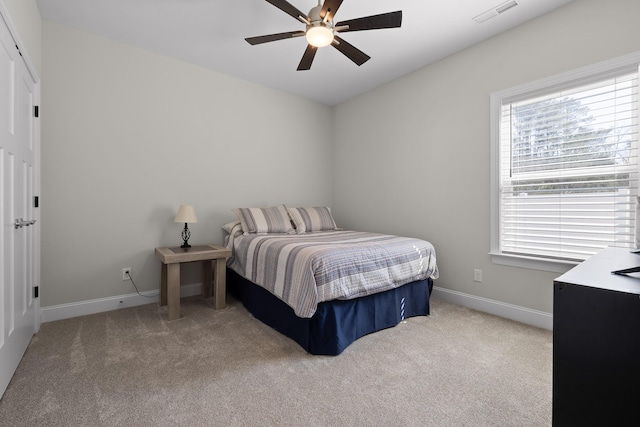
[(321, 31)]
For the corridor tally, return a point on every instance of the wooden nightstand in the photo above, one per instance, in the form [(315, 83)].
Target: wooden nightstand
[(171, 259)]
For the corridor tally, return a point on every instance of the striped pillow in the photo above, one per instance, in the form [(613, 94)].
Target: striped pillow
[(264, 220), (312, 219)]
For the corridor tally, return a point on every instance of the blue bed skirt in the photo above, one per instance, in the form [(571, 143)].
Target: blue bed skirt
[(338, 323)]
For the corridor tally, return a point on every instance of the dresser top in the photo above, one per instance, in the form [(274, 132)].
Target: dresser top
[(596, 271)]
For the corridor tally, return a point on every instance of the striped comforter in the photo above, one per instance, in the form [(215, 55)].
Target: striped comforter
[(306, 269)]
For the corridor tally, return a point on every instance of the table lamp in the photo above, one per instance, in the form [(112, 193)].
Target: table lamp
[(186, 214)]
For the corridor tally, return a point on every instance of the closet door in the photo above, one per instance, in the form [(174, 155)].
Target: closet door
[(19, 234)]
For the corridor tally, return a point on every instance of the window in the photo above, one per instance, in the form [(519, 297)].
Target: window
[(565, 166)]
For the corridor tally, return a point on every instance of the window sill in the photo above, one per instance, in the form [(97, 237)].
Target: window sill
[(555, 266)]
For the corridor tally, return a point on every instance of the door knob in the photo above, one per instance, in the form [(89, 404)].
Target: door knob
[(24, 223)]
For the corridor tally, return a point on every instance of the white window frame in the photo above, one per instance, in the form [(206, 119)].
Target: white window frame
[(552, 84)]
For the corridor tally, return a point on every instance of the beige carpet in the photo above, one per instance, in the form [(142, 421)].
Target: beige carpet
[(130, 367)]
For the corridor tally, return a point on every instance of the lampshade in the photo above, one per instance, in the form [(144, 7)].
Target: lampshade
[(319, 36), (186, 213)]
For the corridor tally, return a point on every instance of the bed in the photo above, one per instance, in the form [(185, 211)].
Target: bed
[(324, 287)]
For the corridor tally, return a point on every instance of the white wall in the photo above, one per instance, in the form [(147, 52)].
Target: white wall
[(412, 157), (128, 135)]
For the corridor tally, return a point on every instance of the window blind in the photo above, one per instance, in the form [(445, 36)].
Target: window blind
[(569, 169)]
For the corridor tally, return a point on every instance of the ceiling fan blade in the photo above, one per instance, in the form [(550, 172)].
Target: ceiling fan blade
[(374, 22), (351, 52), (329, 7), (289, 9), (273, 37), (307, 58)]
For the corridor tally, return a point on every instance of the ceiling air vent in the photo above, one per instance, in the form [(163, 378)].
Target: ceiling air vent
[(493, 12)]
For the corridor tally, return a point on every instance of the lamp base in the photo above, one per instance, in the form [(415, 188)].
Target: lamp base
[(185, 236)]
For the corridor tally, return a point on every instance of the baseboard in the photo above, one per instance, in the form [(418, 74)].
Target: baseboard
[(83, 308), (536, 318)]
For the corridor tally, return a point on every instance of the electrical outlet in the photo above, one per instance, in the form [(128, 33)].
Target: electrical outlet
[(125, 276), (477, 275)]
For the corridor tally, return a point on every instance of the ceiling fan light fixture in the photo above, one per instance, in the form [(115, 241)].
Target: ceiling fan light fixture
[(319, 36)]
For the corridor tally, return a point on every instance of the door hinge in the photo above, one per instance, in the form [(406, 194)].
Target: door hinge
[(36, 201), (36, 291), (36, 111)]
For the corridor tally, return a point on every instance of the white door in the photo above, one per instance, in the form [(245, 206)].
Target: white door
[(19, 264)]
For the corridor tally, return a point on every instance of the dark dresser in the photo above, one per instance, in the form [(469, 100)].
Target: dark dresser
[(596, 342)]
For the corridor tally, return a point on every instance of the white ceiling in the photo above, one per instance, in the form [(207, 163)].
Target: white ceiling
[(211, 33)]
